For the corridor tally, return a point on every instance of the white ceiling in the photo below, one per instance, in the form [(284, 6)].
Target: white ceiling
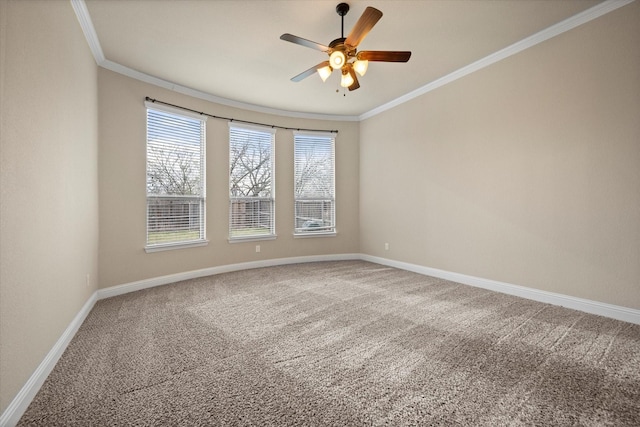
[(232, 49)]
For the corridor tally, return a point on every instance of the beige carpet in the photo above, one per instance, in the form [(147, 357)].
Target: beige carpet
[(344, 344)]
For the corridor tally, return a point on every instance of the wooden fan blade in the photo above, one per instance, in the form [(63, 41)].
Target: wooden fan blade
[(384, 55), (309, 72), (369, 18), (304, 42), (355, 85)]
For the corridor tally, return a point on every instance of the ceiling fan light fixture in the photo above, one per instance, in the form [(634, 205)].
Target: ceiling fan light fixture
[(343, 53), (337, 59), (346, 80), (360, 66), (325, 72)]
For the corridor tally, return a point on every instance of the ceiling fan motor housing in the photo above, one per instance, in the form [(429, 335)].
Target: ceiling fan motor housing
[(345, 56)]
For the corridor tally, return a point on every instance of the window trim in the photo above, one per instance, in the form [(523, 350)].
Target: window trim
[(175, 245), (158, 247)]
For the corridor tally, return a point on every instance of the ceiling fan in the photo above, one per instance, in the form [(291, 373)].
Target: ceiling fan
[(343, 53)]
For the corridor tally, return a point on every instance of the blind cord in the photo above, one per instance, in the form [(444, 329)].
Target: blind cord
[(155, 101)]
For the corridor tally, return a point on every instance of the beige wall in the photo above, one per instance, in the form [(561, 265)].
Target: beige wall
[(48, 171), (123, 179), (526, 172)]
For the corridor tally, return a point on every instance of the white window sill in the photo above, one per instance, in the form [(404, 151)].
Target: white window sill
[(311, 234), (252, 238), (176, 245)]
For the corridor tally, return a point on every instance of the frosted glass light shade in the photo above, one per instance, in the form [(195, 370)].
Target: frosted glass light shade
[(346, 80), (325, 72), (360, 66), (337, 59)]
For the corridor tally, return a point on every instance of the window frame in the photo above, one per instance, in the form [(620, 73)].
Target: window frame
[(269, 132), (201, 240), (330, 230)]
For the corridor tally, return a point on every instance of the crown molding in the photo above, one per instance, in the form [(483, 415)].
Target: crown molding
[(147, 78), (539, 37), (82, 13)]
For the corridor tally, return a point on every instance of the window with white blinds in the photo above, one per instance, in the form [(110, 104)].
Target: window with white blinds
[(251, 182), (175, 178), (314, 186)]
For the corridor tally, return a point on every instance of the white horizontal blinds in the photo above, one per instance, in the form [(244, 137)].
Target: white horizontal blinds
[(251, 182), (175, 178), (314, 186)]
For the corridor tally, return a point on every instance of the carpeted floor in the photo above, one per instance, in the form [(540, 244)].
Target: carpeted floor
[(345, 343)]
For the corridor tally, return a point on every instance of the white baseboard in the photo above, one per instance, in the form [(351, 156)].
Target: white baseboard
[(172, 278), (588, 306), (20, 403), (16, 408)]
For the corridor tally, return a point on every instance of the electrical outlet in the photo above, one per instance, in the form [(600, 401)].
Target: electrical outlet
[(386, 246), (257, 248)]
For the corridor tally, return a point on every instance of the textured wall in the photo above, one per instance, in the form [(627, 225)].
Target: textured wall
[(122, 157), (525, 172), (49, 173)]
